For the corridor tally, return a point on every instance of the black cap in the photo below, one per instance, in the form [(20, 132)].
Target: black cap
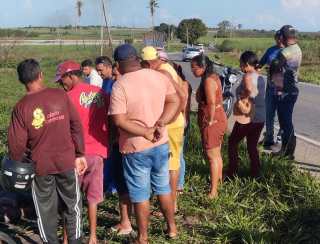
[(124, 52), (287, 31)]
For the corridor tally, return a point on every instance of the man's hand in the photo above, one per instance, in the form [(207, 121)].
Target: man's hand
[(158, 134), (81, 165), (149, 134)]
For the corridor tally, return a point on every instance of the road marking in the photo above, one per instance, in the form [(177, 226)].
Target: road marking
[(309, 84), (304, 138)]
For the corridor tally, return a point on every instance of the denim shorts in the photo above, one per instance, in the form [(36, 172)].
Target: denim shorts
[(145, 171)]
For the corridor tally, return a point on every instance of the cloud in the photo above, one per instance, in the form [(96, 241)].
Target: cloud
[(297, 4)]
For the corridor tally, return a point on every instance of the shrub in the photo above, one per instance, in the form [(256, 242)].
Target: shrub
[(226, 46)]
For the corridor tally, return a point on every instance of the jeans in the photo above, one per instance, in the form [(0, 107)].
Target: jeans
[(271, 107), (285, 107), (182, 170), (145, 171)]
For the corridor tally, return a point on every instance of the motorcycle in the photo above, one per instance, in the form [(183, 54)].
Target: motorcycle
[(230, 78)]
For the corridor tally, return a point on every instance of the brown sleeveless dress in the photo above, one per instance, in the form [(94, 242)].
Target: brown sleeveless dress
[(212, 136)]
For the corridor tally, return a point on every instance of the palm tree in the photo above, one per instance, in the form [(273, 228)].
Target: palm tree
[(153, 4)]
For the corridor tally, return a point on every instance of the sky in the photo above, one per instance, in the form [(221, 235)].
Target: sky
[(251, 14)]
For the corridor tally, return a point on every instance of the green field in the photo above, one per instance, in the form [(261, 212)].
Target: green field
[(283, 206), (71, 33), (309, 71)]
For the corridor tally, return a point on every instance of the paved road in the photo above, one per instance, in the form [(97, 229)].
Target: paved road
[(307, 110)]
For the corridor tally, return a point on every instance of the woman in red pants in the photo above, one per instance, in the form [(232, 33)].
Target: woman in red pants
[(249, 113), (212, 119)]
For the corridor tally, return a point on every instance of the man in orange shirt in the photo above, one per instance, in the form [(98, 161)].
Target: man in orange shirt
[(142, 102)]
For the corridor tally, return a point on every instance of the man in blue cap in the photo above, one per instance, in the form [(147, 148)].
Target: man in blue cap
[(143, 102)]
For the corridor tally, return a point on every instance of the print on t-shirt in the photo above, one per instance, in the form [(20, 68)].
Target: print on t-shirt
[(89, 98), (38, 118)]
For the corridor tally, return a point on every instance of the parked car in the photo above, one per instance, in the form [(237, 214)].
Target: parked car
[(200, 47), (189, 53)]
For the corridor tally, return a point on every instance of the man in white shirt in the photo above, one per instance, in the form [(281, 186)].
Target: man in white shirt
[(91, 75)]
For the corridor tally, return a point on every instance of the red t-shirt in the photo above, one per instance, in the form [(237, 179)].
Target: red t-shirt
[(92, 105), (47, 124)]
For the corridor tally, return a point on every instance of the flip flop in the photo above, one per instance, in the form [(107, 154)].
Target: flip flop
[(172, 236), (121, 232)]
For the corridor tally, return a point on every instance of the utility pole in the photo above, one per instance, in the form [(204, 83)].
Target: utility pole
[(187, 36), (107, 24), (101, 36)]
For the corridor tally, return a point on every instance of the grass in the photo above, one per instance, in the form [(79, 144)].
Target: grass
[(283, 206), (82, 33)]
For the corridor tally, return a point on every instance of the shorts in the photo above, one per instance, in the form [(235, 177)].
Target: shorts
[(212, 136), (145, 171), (92, 180), (175, 145)]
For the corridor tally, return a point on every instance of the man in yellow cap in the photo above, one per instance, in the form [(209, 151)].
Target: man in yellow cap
[(160, 63)]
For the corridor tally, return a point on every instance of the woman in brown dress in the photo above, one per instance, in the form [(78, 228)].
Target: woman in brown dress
[(212, 119)]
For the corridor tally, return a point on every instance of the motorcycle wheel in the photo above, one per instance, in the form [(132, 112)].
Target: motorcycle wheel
[(4, 238), (228, 105)]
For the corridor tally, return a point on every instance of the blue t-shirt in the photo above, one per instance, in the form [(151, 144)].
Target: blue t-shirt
[(107, 85), (270, 55)]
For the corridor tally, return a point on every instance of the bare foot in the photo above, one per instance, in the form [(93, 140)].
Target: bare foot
[(93, 240), (212, 194)]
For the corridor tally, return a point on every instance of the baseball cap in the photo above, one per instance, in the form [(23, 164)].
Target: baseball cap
[(163, 55), (277, 34), (66, 67), (124, 52), (288, 31), (149, 53)]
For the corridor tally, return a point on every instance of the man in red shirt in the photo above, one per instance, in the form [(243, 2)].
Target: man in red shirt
[(45, 123), (92, 105)]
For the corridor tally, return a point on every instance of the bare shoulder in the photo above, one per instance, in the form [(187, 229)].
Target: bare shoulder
[(213, 79)]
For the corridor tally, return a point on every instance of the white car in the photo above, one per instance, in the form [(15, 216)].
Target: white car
[(200, 47), (189, 53)]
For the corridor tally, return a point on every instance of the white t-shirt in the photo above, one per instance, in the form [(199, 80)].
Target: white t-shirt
[(94, 79)]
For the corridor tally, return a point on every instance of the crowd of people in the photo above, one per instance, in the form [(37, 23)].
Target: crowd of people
[(122, 127)]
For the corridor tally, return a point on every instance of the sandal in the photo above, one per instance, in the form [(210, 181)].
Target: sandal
[(121, 232)]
